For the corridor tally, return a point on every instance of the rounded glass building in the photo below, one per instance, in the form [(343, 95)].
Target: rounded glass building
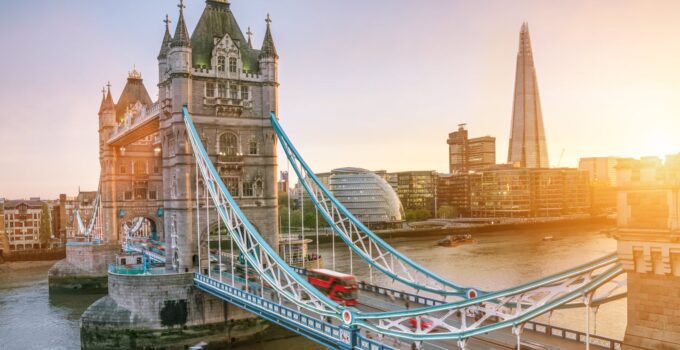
[(368, 196)]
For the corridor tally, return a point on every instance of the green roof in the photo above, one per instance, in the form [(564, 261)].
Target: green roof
[(216, 21)]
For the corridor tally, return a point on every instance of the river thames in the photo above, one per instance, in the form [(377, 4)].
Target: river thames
[(31, 319)]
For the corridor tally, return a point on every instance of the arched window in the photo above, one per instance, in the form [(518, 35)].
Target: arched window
[(221, 63), (228, 144), (232, 64)]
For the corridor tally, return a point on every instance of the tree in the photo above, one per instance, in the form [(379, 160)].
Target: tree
[(447, 212), (45, 225)]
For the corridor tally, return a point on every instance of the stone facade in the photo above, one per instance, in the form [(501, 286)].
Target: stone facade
[(161, 311), (230, 89), (652, 261), (649, 250), (84, 269)]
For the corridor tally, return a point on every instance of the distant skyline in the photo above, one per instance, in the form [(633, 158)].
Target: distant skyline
[(376, 84)]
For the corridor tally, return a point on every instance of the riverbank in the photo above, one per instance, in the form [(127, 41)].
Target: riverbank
[(35, 255), (8, 266)]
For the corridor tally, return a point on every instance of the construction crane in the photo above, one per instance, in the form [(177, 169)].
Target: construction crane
[(559, 162)]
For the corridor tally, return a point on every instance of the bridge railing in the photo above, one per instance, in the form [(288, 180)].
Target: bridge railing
[(364, 343), (569, 334), (130, 122), (259, 305)]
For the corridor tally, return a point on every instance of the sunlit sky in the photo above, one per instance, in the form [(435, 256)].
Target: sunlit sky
[(375, 84)]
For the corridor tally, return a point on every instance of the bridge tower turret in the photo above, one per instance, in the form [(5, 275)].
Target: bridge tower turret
[(269, 69), (107, 160), (178, 162), (163, 63)]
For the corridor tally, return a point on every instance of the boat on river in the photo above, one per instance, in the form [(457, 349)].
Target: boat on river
[(456, 240)]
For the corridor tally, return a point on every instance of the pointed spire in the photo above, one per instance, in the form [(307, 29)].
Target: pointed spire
[(181, 38), (107, 102), (167, 39), (250, 38), (268, 47), (528, 145)]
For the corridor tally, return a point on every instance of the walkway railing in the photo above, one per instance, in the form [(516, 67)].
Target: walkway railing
[(305, 324), (569, 334)]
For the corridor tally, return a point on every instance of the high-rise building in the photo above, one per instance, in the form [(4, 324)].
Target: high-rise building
[(602, 173), (453, 195), (506, 191), (470, 154), (527, 140), (417, 190)]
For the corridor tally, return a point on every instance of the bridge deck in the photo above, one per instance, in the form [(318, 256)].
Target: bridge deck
[(503, 339)]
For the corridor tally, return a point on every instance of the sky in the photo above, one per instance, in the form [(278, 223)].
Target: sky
[(376, 84)]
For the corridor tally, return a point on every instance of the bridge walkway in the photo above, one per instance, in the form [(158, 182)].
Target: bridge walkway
[(372, 301)]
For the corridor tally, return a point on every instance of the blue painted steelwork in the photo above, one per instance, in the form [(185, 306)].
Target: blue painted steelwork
[(246, 237), (444, 287), (502, 309), (317, 330)]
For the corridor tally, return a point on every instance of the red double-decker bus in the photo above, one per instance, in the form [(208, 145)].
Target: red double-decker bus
[(338, 286)]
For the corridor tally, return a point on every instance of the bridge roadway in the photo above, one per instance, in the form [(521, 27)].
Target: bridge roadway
[(371, 302)]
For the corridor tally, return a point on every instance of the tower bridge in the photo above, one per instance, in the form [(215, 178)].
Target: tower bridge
[(201, 163)]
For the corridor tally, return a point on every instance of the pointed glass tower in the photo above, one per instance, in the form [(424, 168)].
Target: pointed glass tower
[(527, 139)]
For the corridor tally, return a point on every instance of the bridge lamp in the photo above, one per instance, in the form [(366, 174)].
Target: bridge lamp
[(122, 150), (157, 150)]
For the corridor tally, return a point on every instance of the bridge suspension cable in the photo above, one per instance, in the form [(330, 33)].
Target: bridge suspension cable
[(255, 250), (89, 230), (361, 240)]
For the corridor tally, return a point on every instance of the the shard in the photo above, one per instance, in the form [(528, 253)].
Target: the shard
[(527, 140)]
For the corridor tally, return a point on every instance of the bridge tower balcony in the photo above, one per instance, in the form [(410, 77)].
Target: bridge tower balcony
[(229, 105)]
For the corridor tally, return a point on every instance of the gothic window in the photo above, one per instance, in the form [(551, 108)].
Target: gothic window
[(220, 63), (152, 195), (248, 189), (233, 92), (222, 90), (245, 92), (210, 90), (123, 170), (252, 148), (232, 185), (228, 144), (232, 64), (128, 195)]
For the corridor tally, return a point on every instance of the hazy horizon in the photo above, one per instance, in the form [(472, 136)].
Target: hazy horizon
[(377, 84)]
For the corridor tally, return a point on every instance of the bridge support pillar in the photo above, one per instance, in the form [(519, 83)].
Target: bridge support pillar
[(652, 261), (163, 311), (84, 270)]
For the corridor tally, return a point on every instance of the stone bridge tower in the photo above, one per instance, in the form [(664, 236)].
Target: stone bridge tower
[(130, 178), (230, 89)]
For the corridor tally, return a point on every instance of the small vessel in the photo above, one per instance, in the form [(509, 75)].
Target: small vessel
[(452, 241), (548, 238)]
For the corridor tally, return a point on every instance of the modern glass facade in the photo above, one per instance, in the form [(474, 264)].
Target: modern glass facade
[(368, 196)]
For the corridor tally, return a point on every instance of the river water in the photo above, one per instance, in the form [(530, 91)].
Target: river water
[(31, 319)]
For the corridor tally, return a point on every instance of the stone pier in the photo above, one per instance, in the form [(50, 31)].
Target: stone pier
[(162, 311), (84, 269)]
